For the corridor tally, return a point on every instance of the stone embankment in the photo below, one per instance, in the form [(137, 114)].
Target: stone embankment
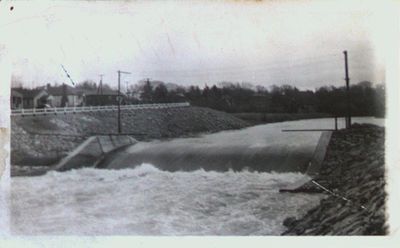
[(44, 140), (353, 170)]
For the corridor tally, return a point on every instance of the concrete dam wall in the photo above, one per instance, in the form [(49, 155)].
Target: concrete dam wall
[(93, 150), (259, 148)]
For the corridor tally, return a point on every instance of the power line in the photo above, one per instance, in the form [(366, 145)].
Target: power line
[(286, 77), (272, 65), (253, 68), (322, 60), (271, 71)]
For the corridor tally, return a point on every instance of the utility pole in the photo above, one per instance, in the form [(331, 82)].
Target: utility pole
[(119, 99), (348, 112), (100, 89)]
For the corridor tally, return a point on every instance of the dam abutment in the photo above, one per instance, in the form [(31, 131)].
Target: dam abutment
[(92, 151)]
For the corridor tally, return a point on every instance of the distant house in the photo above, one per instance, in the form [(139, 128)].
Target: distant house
[(107, 97), (30, 98), (16, 99), (63, 96)]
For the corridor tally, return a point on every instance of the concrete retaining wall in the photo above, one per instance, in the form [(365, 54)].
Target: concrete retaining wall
[(314, 166), (319, 154), (92, 151)]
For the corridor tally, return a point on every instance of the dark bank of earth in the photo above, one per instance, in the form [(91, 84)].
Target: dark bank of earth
[(40, 141), (354, 169)]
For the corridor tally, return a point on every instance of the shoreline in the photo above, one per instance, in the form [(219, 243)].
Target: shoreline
[(354, 174), (266, 118)]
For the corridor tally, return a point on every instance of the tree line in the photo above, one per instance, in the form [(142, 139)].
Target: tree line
[(366, 99)]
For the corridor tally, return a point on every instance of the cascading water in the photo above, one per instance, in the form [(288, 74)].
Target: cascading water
[(142, 199), (261, 148), (148, 201)]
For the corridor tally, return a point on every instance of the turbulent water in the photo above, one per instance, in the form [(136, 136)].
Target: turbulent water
[(148, 201), (141, 199)]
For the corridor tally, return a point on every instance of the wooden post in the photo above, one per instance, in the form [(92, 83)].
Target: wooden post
[(348, 106), (335, 122)]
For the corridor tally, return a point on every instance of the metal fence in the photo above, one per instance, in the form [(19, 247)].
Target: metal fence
[(75, 109)]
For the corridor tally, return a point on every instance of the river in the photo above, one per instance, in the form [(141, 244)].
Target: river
[(143, 197)]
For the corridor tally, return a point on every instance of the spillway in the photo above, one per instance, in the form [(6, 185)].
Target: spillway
[(260, 148)]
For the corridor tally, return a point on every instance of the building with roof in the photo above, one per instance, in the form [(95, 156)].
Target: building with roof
[(16, 99), (106, 97), (63, 96), (30, 98)]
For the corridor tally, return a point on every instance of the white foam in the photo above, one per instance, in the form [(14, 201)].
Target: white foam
[(147, 201)]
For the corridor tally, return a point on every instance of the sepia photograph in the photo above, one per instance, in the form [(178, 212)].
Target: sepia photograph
[(197, 118)]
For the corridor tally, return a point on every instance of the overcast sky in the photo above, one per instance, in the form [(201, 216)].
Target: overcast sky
[(269, 42)]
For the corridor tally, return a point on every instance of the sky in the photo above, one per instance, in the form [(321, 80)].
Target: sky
[(300, 43)]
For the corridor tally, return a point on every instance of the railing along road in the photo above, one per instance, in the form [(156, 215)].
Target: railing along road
[(75, 109)]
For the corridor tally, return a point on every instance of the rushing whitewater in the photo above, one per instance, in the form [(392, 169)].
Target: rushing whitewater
[(148, 201), (142, 199)]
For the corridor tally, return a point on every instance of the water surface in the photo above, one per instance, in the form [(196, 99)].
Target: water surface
[(141, 199)]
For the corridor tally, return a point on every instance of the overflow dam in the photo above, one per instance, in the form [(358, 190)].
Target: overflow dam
[(262, 148), (259, 148)]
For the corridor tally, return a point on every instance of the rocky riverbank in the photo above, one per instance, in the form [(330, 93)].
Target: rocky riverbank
[(353, 171), (43, 140)]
